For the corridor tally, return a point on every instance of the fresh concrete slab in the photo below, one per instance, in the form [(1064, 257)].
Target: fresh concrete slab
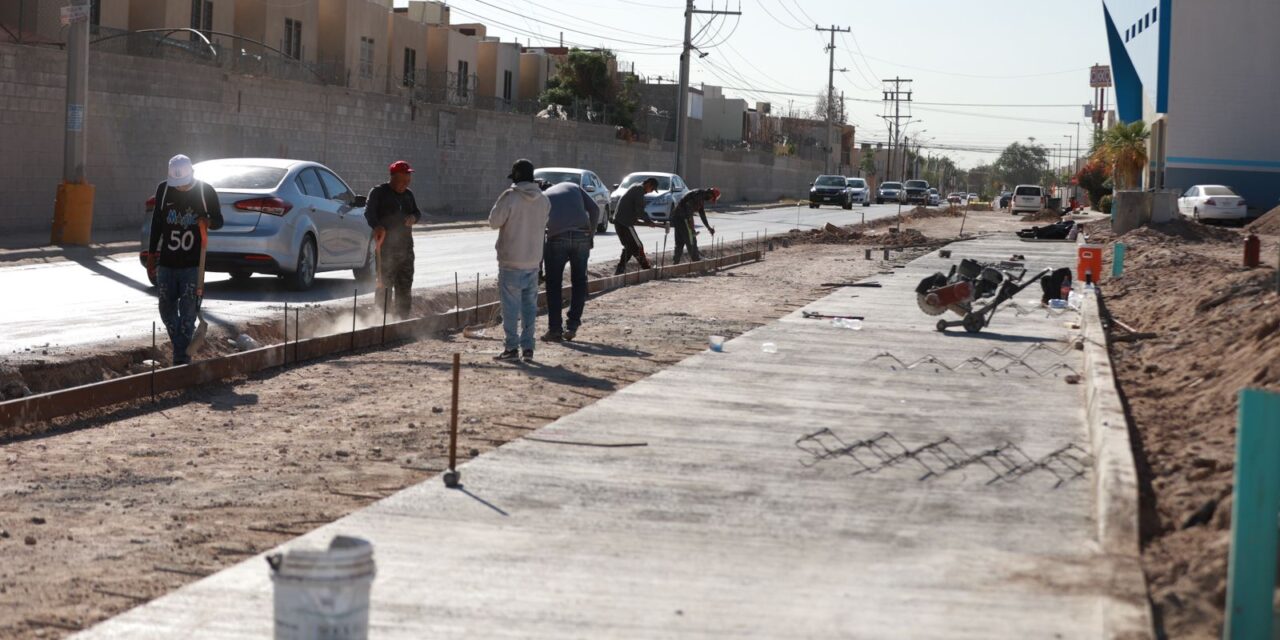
[(720, 526)]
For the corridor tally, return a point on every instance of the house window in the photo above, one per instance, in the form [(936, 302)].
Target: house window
[(366, 57), (463, 77), (506, 86), (293, 38), (410, 64), (1154, 14)]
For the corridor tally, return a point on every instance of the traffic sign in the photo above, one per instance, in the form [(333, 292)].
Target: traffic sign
[(74, 13), (1099, 76)]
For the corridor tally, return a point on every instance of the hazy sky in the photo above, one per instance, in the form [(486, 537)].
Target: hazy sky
[(980, 52)]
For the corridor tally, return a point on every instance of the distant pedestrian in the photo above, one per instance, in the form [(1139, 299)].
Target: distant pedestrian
[(174, 251), (630, 213), (570, 237), (682, 221), (520, 216), (392, 211)]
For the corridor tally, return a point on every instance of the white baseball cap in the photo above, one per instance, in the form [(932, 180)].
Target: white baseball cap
[(180, 172)]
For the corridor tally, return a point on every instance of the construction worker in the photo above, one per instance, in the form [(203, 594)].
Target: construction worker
[(520, 216), (630, 213), (571, 228), (175, 248), (392, 211), (682, 221)]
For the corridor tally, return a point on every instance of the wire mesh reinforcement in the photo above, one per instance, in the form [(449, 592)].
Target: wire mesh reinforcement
[(996, 360)]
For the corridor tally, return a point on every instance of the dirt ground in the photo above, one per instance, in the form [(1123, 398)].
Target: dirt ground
[(1217, 330), (109, 512)]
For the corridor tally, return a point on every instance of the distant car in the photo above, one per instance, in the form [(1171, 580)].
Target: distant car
[(973, 197), (859, 192), (935, 198), (916, 191), (1212, 202), (1005, 198), (589, 181), (291, 218), (829, 190), (1027, 197), (956, 198), (659, 204), (889, 191)]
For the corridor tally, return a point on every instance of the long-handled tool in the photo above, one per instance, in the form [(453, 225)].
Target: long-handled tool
[(378, 236), (451, 477), (202, 327)]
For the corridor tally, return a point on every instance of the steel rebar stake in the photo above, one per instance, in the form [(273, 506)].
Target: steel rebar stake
[(154, 355), (354, 293), (475, 311), (451, 476), (297, 332), (284, 353), (457, 303), (386, 299)]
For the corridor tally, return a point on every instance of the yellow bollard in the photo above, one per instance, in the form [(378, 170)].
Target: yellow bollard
[(73, 214)]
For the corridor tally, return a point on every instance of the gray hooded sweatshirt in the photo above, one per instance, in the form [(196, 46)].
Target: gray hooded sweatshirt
[(520, 215)]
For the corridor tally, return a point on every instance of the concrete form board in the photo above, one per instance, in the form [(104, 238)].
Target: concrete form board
[(715, 529)]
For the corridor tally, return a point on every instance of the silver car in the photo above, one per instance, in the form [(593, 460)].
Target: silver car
[(589, 181), (659, 204), (291, 218)]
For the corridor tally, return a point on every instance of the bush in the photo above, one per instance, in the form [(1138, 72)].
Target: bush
[(1104, 204)]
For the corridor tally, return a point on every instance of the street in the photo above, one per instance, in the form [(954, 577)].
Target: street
[(69, 304)]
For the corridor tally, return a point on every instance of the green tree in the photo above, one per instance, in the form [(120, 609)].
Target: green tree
[(584, 78), (1020, 164), (1124, 149), (1095, 177)]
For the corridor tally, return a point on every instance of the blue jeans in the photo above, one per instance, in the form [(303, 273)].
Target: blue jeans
[(518, 290), (574, 248), (178, 307)]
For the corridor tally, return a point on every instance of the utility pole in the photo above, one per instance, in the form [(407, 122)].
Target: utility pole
[(73, 206), (896, 97), (682, 106), (831, 79)]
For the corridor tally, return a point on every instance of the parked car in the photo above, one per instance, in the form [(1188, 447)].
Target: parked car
[(1212, 202), (1028, 198), (589, 181), (956, 198), (1005, 198), (889, 191), (659, 204), (859, 192), (916, 191), (973, 197), (291, 218), (935, 198), (829, 190)]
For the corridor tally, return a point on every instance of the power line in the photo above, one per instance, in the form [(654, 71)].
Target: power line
[(571, 30), (831, 85), (973, 75), (526, 32), (779, 22)]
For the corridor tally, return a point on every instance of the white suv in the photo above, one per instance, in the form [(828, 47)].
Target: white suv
[(1027, 197)]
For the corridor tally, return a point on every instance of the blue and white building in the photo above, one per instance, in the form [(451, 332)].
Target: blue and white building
[(1205, 75)]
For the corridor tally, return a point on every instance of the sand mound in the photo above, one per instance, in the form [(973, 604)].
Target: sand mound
[(1268, 224), (1179, 231), (1043, 215)]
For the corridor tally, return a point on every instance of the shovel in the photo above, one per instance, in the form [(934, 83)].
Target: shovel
[(202, 327)]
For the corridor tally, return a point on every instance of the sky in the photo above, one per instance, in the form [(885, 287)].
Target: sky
[(969, 59)]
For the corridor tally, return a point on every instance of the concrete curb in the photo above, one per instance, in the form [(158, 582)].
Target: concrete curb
[(1128, 614)]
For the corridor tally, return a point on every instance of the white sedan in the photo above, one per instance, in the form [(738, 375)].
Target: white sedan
[(1212, 202)]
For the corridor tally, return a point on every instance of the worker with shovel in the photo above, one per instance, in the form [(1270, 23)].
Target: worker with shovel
[(630, 213), (392, 211), (185, 210), (682, 221)]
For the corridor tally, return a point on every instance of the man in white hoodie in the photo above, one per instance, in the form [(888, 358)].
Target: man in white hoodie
[(520, 216)]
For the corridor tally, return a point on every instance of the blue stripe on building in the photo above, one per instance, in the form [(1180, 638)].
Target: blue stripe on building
[(1128, 86)]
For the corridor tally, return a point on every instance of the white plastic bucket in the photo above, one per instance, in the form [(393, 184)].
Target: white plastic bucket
[(323, 593)]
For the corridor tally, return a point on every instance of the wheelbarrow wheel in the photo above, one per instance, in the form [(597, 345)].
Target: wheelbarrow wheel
[(942, 325), (973, 323)]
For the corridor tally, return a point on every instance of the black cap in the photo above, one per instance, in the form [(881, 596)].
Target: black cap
[(521, 171)]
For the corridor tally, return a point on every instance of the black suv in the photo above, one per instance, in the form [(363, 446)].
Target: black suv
[(917, 192), (829, 190)]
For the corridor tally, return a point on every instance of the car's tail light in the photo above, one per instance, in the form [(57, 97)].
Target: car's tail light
[(1240, 202), (270, 206), (1211, 202)]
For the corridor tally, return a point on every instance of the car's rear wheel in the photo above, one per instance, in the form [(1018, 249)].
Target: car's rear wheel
[(847, 205), (304, 273), (241, 277), (867, 203)]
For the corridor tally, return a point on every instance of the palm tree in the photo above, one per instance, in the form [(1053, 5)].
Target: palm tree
[(1124, 148)]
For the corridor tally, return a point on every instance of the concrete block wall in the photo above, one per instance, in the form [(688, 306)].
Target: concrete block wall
[(141, 111)]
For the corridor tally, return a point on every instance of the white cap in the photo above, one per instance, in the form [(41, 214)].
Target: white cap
[(180, 172)]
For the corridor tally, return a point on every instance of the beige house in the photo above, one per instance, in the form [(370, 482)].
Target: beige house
[(534, 73), (428, 12), (407, 51), (723, 118), (202, 15), (453, 60), (499, 70), (291, 27), (38, 20), (353, 42)]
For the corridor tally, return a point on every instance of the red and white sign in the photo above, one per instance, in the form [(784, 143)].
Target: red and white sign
[(1099, 76), (74, 13)]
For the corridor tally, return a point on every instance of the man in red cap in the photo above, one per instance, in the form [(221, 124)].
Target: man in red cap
[(682, 221), (392, 212)]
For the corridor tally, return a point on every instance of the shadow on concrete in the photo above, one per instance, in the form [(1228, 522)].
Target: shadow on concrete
[(961, 333), (463, 489), (561, 375)]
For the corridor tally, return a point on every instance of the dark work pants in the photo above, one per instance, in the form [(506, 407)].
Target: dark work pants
[(631, 247), (179, 306), (397, 277), (685, 237), (572, 248)]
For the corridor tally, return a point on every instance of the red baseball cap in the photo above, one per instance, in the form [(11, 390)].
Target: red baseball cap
[(400, 166)]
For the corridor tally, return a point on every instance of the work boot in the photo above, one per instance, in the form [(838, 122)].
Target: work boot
[(528, 355), (570, 334), (509, 355), (552, 336)]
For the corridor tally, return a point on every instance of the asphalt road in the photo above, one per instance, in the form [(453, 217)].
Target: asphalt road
[(70, 305)]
